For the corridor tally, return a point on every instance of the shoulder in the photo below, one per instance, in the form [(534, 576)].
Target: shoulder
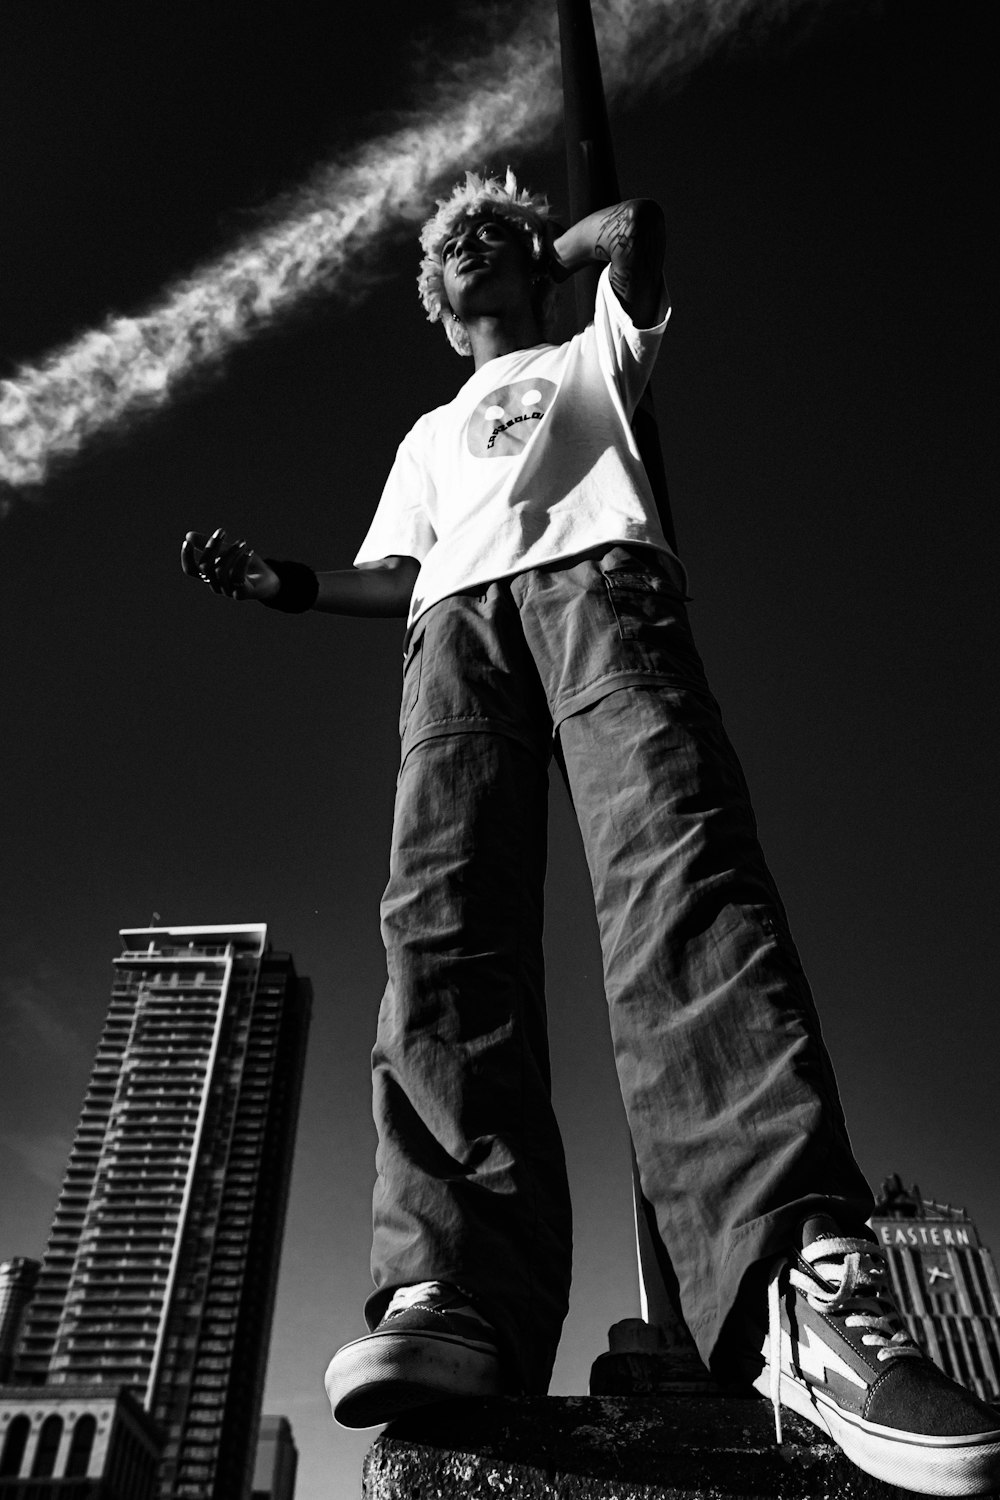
[(422, 431), (449, 411)]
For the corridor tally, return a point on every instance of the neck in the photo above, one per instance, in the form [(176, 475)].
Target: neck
[(496, 334)]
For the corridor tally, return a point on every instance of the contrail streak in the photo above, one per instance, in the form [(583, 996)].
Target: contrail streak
[(507, 99)]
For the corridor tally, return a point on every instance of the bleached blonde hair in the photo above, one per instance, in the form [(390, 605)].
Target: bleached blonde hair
[(528, 212)]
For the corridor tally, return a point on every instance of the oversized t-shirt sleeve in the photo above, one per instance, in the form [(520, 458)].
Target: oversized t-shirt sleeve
[(628, 353), (401, 526)]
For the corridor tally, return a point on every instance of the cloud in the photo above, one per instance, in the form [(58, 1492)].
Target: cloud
[(44, 1063), (43, 1155), (36, 1019), (329, 233)]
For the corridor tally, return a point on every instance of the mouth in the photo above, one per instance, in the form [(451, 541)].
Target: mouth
[(467, 263)]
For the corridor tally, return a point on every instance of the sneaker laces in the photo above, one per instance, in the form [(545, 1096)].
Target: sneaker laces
[(438, 1296), (837, 1275)]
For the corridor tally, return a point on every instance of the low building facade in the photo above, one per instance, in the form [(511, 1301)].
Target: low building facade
[(77, 1442)]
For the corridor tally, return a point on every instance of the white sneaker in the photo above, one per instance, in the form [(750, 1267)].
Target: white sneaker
[(431, 1345)]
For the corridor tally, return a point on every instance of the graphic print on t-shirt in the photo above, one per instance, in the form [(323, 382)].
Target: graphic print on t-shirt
[(504, 420)]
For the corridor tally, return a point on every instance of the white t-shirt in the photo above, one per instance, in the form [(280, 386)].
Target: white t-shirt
[(532, 462)]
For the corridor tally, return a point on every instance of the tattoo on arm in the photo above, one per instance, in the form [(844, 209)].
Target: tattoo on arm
[(635, 260)]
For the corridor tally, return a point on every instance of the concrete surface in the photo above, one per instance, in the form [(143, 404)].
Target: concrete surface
[(596, 1448)]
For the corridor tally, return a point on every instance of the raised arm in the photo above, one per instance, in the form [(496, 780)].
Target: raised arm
[(631, 237), (236, 571)]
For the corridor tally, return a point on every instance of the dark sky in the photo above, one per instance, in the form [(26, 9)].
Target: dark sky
[(827, 396)]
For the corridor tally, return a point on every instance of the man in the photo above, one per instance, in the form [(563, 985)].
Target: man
[(546, 615)]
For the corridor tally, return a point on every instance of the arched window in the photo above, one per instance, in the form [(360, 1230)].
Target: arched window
[(48, 1447), (79, 1448), (14, 1445)]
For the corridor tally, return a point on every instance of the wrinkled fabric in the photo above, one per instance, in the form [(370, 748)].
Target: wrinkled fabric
[(729, 1092)]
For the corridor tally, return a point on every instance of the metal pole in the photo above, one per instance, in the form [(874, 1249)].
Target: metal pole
[(590, 158), (593, 183)]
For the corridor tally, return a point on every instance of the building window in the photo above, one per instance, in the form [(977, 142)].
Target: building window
[(79, 1449), (48, 1446), (14, 1446)]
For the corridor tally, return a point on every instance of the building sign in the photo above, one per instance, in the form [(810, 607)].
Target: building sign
[(926, 1234), (937, 1273)]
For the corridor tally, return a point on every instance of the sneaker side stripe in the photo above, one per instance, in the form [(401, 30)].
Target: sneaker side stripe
[(813, 1357)]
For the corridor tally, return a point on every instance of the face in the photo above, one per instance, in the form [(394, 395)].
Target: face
[(487, 268)]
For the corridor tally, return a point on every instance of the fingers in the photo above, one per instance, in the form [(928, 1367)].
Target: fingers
[(241, 555), (228, 568), (191, 550), (553, 266), (217, 561)]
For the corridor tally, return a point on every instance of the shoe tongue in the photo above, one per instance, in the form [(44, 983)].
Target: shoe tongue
[(818, 1227)]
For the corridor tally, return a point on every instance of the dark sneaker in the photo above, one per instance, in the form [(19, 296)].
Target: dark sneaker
[(431, 1345), (848, 1364)]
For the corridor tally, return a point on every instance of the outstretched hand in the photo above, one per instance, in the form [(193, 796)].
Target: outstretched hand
[(230, 568)]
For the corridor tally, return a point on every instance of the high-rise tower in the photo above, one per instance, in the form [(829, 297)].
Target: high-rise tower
[(277, 1461), (17, 1283), (161, 1268)]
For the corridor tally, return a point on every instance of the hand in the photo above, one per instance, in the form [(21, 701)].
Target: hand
[(230, 568), (551, 262)]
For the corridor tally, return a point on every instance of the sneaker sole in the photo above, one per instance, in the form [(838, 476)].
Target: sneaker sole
[(968, 1465), (379, 1377)]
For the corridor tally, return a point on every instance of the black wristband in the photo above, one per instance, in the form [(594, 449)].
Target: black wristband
[(299, 587)]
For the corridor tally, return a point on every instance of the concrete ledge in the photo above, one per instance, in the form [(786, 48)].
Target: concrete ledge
[(597, 1448)]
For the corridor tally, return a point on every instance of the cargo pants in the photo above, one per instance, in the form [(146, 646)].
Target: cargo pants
[(730, 1096)]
